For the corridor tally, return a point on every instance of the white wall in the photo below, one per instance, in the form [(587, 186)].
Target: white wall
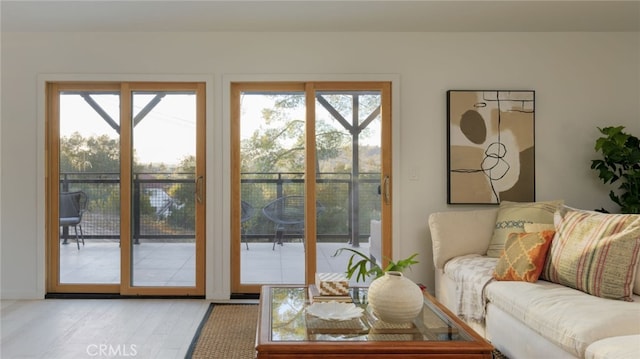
[(582, 80)]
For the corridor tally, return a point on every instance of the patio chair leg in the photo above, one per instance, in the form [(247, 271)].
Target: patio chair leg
[(243, 238), (278, 238), (66, 235), (81, 235), (75, 228)]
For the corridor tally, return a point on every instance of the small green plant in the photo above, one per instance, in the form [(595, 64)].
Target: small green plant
[(360, 267), (620, 162)]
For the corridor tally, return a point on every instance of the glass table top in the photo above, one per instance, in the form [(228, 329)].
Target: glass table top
[(291, 322)]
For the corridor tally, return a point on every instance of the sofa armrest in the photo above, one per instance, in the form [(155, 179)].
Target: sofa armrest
[(457, 233)]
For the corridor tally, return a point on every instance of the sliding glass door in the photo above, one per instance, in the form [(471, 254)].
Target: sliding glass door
[(309, 162), (126, 188)]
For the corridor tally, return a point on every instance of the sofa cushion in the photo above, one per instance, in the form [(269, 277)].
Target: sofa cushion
[(524, 256), (595, 252), (511, 219), (563, 315), (623, 347)]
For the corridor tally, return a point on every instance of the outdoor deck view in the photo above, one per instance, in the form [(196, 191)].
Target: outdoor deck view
[(163, 252), (165, 190)]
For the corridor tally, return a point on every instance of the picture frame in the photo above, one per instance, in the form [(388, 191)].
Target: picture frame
[(490, 146)]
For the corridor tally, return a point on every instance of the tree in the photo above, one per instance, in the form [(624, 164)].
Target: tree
[(91, 154), (183, 210), (278, 146), (268, 151)]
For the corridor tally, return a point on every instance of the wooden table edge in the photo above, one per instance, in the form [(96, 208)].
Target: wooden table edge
[(479, 347)]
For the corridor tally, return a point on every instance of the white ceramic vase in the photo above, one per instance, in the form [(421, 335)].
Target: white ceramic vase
[(394, 298)]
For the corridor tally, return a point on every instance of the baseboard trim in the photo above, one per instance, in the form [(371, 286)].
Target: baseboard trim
[(115, 296), (245, 296)]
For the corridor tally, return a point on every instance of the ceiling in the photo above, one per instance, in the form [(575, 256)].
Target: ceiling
[(318, 16)]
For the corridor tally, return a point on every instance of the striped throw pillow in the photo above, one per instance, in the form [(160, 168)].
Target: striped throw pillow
[(594, 252)]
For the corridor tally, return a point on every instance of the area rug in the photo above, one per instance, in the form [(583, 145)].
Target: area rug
[(228, 331)]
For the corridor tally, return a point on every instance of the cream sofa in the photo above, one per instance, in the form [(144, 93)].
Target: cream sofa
[(527, 320)]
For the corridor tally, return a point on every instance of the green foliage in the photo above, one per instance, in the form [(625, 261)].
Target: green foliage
[(620, 163), (145, 205), (183, 214), (360, 267), (90, 154), (279, 146), (275, 149)]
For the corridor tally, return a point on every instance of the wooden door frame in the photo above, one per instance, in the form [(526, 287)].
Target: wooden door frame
[(52, 168), (309, 87), (236, 89), (52, 162)]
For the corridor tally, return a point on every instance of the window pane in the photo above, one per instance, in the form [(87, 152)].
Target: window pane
[(348, 146), (272, 157), (89, 187), (163, 208)]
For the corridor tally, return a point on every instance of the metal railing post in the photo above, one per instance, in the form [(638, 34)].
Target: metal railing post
[(136, 210), (65, 188)]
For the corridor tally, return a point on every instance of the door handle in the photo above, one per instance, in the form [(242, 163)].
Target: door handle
[(386, 190), (199, 188)]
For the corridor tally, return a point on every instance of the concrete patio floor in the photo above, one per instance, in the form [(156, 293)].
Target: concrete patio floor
[(173, 264)]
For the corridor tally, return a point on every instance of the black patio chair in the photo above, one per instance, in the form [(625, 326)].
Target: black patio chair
[(72, 206), (287, 213), (247, 213)]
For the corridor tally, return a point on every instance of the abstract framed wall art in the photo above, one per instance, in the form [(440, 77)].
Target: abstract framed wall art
[(490, 146)]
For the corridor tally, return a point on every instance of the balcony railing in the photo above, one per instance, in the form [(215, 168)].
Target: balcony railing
[(163, 204)]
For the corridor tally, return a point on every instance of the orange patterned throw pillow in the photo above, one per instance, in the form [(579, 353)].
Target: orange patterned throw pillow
[(524, 256)]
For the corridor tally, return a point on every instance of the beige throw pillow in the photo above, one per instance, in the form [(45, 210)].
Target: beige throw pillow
[(596, 253), (538, 227), (512, 217)]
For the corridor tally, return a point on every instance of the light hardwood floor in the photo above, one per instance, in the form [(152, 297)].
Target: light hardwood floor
[(96, 328), (134, 328)]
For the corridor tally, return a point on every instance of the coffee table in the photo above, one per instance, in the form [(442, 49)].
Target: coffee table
[(286, 330)]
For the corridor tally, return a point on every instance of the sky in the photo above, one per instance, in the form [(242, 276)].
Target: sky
[(165, 135)]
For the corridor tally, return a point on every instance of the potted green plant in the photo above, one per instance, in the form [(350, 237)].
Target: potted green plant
[(620, 163), (361, 270), (392, 297)]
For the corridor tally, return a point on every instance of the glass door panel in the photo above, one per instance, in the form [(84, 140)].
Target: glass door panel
[(125, 188), (272, 196), (307, 164), (348, 150), (163, 208), (89, 191)]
